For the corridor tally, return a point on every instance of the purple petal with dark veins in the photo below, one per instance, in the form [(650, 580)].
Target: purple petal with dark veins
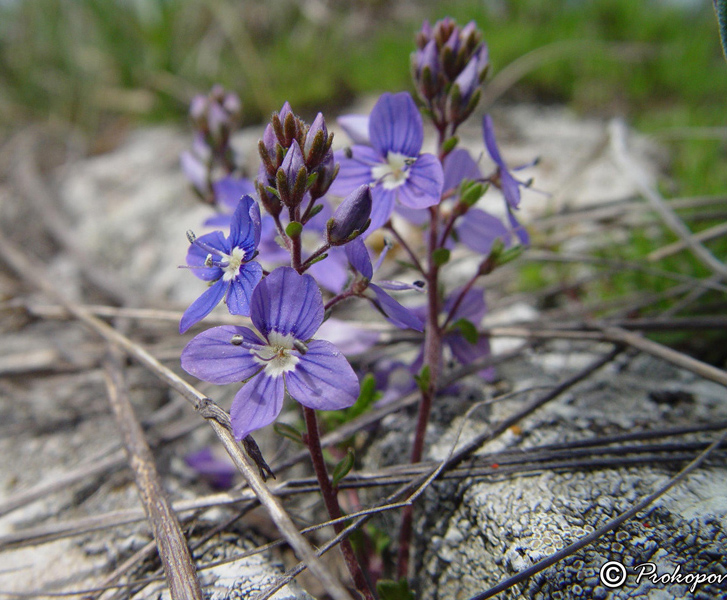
[(459, 165), (397, 314), (382, 205), (239, 295), (287, 303), (488, 133), (332, 272), (395, 125), (478, 230), (257, 404), (358, 256), (423, 187), (203, 305), (354, 171), (245, 226), (211, 356), (323, 379)]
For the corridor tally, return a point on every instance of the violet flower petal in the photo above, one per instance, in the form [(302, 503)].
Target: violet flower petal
[(459, 165), (354, 171), (397, 314), (241, 287), (358, 256), (356, 128), (520, 231), (257, 404), (463, 351), (245, 226), (287, 302), (396, 125), (472, 307), (382, 205), (212, 357), (332, 273), (478, 230), (423, 186), (323, 379), (229, 190), (203, 305), (196, 256)]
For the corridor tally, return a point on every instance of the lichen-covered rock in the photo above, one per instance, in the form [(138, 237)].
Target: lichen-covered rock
[(476, 533)]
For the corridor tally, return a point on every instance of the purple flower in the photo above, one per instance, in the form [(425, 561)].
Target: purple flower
[(505, 181), (393, 165), (286, 310), (225, 261), (351, 217), (219, 473), (358, 257), (476, 229), (227, 192)]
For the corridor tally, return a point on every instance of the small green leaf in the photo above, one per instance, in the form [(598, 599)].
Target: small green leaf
[(440, 256), (343, 468), (394, 590), (318, 259), (467, 329), (315, 210), (471, 191), (288, 431), (450, 144), (423, 378), (293, 229), (311, 180), (510, 254)]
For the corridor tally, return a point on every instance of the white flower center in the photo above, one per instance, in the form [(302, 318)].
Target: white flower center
[(276, 356), (234, 262), (393, 172)]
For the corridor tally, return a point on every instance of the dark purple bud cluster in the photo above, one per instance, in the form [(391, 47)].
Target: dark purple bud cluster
[(296, 160), (448, 67)]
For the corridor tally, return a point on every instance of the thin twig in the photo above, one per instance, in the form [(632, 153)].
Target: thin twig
[(34, 274), (173, 550), (617, 131), (609, 526)]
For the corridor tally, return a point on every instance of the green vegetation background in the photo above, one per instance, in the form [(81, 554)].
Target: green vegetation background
[(95, 65)]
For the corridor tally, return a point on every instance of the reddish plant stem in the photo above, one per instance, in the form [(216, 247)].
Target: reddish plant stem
[(311, 259), (432, 361), (336, 299), (330, 499)]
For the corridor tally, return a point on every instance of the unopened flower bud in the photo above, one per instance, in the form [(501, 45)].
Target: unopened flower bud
[(464, 94), (427, 71), (351, 218), (317, 142), (326, 173), (291, 177)]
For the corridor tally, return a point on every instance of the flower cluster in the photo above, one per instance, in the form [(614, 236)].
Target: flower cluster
[(319, 208)]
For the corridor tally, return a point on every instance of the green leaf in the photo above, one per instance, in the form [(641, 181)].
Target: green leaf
[(440, 256), (510, 254), (471, 191), (720, 7), (293, 229), (450, 144), (394, 590), (366, 398), (423, 378), (343, 468), (315, 210), (318, 259), (467, 329), (288, 431)]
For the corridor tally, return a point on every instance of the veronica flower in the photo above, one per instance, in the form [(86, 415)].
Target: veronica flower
[(227, 193), (226, 263), (393, 164), (505, 181), (286, 310), (398, 315)]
